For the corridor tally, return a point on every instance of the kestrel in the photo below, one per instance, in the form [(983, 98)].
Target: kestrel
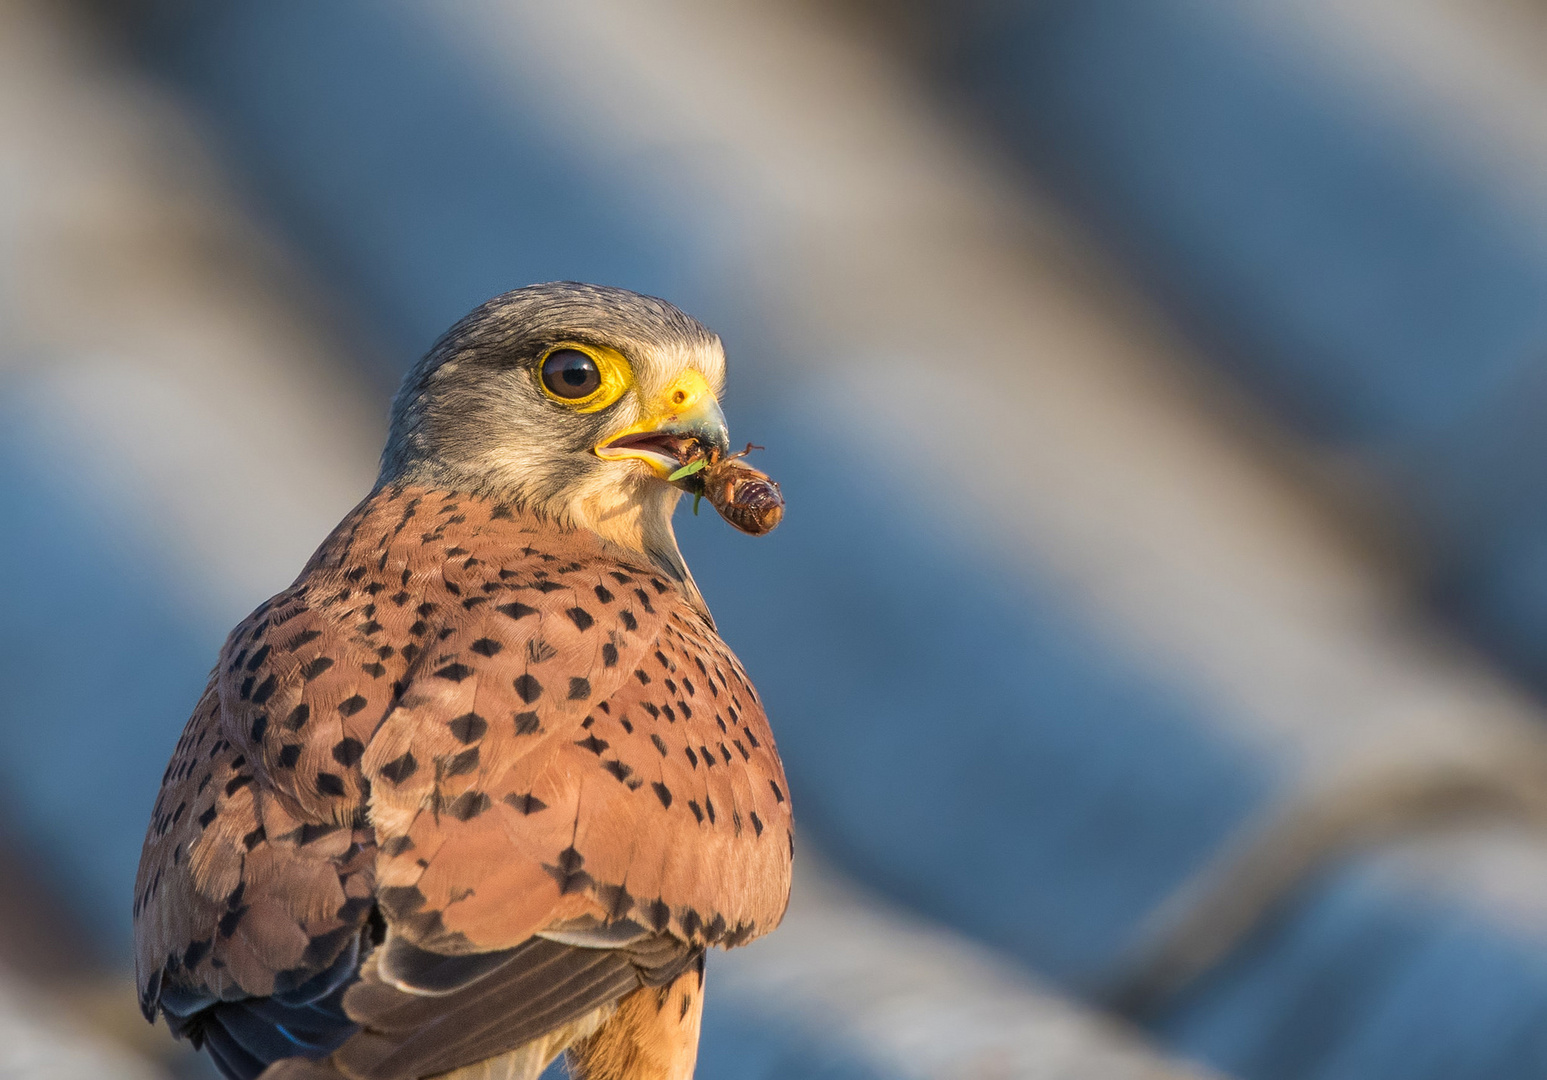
[(482, 785)]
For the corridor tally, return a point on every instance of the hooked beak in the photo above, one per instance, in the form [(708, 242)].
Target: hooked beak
[(684, 424)]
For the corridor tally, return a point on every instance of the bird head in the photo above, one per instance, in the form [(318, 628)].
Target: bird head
[(576, 402)]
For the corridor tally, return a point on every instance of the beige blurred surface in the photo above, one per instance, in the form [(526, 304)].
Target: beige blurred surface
[(44, 1038), (1470, 72)]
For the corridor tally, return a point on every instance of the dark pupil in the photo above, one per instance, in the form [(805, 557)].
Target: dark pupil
[(570, 373)]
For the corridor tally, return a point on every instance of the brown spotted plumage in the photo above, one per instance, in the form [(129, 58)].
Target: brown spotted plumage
[(484, 782)]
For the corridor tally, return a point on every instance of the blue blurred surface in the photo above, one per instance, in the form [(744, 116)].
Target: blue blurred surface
[(422, 196), (100, 673), (1337, 252), (957, 732), (1326, 245), (745, 1047), (1419, 990)]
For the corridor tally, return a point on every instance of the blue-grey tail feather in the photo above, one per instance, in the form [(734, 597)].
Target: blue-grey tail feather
[(247, 1036)]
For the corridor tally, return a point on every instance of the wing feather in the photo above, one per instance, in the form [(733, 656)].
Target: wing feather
[(538, 987), (483, 728)]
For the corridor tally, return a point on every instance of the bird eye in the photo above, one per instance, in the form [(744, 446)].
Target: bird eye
[(571, 374)]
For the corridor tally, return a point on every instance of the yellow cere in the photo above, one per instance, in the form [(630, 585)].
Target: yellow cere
[(616, 372)]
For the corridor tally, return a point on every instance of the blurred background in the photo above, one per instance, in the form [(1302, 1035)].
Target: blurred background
[(1157, 638)]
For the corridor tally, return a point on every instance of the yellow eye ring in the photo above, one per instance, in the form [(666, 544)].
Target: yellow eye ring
[(585, 378)]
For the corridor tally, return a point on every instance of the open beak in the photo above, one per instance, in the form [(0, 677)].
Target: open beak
[(683, 425)]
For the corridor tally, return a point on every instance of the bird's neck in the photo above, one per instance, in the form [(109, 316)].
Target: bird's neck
[(637, 519)]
